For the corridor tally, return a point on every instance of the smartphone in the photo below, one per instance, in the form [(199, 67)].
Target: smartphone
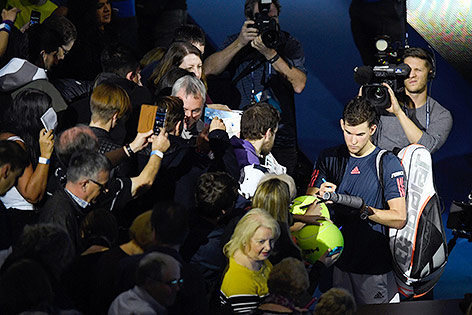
[(159, 122), (35, 17), (151, 118), (335, 251), (49, 119)]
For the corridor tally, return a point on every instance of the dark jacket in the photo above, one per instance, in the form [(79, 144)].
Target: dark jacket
[(62, 210)]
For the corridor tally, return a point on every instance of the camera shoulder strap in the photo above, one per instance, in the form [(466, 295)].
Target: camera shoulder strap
[(252, 66)]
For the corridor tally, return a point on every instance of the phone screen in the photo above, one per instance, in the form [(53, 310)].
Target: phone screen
[(159, 123), (35, 17)]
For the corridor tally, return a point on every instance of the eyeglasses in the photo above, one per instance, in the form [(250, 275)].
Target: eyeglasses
[(64, 51), (103, 189), (175, 282)]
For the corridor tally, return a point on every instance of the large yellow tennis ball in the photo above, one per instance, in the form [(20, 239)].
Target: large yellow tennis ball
[(315, 240)]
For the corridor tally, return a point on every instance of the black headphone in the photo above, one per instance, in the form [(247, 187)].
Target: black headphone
[(432, 61)]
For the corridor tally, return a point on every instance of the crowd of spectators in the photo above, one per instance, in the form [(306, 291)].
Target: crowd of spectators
[(101, 213)]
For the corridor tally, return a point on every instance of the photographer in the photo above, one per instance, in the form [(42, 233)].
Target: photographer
[(427, 123), (276, 71)]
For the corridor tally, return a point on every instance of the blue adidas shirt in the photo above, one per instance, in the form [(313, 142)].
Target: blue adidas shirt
[(360, 179), (366, 248)]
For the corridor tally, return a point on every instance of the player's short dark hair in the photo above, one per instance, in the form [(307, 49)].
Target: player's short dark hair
[(358, 111)]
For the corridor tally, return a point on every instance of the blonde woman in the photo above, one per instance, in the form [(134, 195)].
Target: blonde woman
[(244, 283), (273, 195)]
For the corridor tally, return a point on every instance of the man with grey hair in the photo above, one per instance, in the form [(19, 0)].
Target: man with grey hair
[(157, 283), (87, 175), (192, 91)]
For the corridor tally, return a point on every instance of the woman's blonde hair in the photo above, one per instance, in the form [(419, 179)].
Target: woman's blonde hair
[(107, 100), (246, 228), (141, 230), (292, 187), (273, 195)]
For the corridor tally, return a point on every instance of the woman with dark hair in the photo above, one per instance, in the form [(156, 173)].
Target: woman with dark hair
[(93, 20), (182, 55), (22, 123)]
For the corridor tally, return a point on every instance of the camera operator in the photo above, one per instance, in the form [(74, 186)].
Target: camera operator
[(427, 123), (277, 71)]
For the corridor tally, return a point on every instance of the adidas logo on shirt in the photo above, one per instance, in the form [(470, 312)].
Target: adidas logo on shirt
[(379, 295), (355, 171)]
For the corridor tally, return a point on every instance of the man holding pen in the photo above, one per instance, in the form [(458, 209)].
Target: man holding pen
[(364, 268)]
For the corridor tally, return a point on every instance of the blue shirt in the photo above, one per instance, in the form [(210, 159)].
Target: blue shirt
[(360, 179), (366, 248)]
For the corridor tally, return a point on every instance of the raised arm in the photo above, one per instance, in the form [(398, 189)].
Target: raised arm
[(412, 132), (118, 155), (295, 76), (32, 184), (217, 62), (144, 180), (8, 18)]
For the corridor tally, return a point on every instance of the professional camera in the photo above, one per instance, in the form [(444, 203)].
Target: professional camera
[(371, 78), (267, 26), (460, 221)]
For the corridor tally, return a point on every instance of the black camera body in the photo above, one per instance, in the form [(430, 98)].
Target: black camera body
[(387, 71), (267, 26), (393, 75)]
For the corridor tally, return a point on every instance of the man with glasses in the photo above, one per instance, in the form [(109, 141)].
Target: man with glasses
[(170, 226), (193, 93), (157, 283), (87, 175)]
